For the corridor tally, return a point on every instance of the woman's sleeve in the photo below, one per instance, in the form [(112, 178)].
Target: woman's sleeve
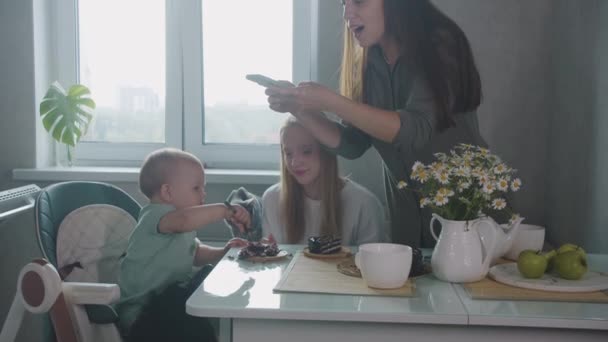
[(418, 118), (353, 142)]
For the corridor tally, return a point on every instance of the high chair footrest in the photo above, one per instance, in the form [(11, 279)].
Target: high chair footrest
[(101, 314)]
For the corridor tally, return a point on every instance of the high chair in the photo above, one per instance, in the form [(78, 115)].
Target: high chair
[(41, 290), (82, 229)]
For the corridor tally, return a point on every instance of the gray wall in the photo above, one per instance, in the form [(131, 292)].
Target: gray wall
[(542, 81), (511, 44), (577, 187), (17, 102)]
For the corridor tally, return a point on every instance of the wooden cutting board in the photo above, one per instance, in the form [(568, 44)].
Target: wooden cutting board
[(490, 289), (310, 275)]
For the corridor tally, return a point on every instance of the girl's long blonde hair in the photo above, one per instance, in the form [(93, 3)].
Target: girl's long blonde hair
[(291, 201)]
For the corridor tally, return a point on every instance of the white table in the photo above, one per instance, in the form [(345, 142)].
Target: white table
[(241, 294)]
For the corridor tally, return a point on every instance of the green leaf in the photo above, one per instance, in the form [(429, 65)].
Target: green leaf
[(67, 115), (49, 120), (86, 102), (78, 90)]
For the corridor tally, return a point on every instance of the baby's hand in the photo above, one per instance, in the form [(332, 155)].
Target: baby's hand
[(236, 243), (240, 218)]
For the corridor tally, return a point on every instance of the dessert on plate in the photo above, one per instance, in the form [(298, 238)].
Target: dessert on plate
[(259, 249), (325, 244)]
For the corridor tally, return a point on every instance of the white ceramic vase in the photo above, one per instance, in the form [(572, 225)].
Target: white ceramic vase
[(459, 255)]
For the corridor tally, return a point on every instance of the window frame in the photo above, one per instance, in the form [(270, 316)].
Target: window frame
[(184, 107)]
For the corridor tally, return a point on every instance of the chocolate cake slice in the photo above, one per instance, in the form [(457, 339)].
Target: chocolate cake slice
[(258, 249), (326, 244)]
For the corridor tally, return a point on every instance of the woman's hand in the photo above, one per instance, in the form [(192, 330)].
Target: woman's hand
[(276, 99), (306, 97)]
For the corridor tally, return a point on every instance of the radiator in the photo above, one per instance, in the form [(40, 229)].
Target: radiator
[(18, 246)]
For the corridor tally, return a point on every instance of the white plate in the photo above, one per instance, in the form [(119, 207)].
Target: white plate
[(508, 274), (343, 253)]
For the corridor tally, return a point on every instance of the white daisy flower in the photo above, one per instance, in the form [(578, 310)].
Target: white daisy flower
[(401, 185), (514, 218), (442, 177), (420, 175), (417, 165), (441, 156), (477, 172), (437, 167), (462, 186), (424, 202), (483, 179), (445, 192), (488, 188), (440, 200), (502, 184), (462, 171), (468, 155), (499, 203), (500, 168), (516, 184), (423, 176), (483, 151)]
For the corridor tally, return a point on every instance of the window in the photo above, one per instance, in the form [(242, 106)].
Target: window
[(129, 87), (172, 73)]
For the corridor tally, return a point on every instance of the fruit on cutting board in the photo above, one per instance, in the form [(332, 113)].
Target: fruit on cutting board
[(571, 265), (531, 263), (571, 247), (550, 255)]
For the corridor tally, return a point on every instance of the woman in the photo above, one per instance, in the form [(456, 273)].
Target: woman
[(312, 199), (409, 87)]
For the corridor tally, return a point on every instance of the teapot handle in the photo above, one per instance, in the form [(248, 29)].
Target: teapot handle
[(489, 251), (433, 218)]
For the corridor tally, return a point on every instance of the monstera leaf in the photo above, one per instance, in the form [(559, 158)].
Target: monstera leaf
[(67, 115)]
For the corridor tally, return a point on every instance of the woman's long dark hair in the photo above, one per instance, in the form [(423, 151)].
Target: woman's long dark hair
[(431, 42)]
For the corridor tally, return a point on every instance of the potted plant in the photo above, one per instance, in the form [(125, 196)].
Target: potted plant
[(462, 188), (67, 115)]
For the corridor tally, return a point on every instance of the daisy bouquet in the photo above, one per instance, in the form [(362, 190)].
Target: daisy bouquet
[(465, 184)]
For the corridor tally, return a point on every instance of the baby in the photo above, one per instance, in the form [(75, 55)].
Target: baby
[(156, 275)]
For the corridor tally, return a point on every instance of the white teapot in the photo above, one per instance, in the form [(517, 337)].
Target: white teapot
[(505, 235), (459, 255)]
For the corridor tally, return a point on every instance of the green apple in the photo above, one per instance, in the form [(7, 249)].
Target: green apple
[(531, 263), (567, 247), (550, 255), (571, 265)]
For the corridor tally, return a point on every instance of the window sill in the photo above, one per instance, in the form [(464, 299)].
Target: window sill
[(131, 174)]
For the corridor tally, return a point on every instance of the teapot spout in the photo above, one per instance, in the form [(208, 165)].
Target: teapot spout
[(512, 231)]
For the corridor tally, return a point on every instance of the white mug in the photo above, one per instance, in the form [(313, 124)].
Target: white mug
[(529, 236), (384, 265)]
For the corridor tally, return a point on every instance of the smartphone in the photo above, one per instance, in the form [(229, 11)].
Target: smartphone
[(264, 81)]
